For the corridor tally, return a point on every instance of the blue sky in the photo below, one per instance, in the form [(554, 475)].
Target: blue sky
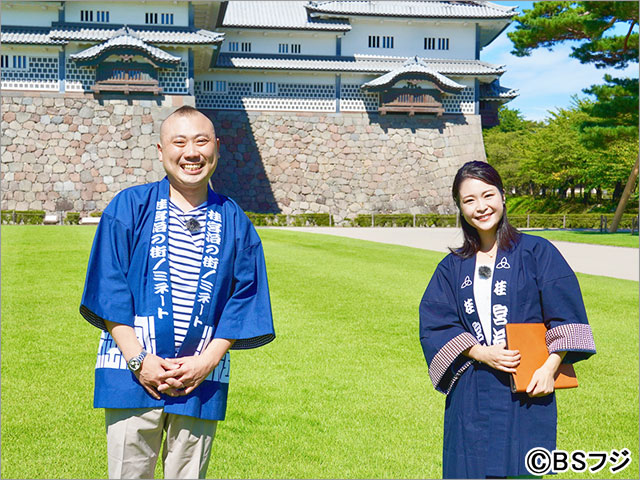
[(546, 80)]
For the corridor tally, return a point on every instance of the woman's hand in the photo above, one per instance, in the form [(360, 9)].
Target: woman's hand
[(543, 379), (496, 356)]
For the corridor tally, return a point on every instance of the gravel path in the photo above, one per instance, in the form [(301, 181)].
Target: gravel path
[(617, 262)]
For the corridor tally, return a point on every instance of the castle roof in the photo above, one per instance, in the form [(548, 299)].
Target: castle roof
[(423, 9), (154, 34), (356, 63), (414, 68), (278, 15), (125, 39)]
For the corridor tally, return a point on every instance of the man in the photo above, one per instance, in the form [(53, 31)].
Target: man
[(176, 278)]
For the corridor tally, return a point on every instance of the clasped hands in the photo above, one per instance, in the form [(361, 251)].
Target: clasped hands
[(173, 376), (498, 357)]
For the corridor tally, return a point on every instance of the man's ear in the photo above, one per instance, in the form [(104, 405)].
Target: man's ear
[(159, 151)]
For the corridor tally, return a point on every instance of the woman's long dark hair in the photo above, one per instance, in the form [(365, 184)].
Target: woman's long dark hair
[(507, 235)]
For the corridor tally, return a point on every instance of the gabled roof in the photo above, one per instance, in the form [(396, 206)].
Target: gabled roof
[(128, 40), (278, 15), (154, 34), (358, 63), (495, 92), (424, 9), (28, 35), (414, 68)]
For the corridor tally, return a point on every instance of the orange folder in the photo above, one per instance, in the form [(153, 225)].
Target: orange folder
[(529, 339)]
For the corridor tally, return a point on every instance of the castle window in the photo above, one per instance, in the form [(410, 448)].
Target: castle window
[(283, 48), (245, 46), (4, 61), (271, 88), (233, 46), (217, 86), (374, 41), (102, 16), (86, 15), (387, 42), (258, 87), (221, 86), (432, 43), (295, 48), (20, 62), (166, 18)]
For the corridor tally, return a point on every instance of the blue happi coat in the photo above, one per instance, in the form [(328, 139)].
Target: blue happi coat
[(128, 282), (487, 429)]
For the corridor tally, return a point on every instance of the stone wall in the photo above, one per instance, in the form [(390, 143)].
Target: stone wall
[(71, 152), (345, 164)]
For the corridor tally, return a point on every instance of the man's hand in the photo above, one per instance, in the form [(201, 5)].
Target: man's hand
[(153, 372), (186, 375), (496, 356), (189, 372)]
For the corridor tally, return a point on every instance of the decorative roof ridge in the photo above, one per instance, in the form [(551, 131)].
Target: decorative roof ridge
[(324, 7), (124, 37), (414, 65), (117, 26)]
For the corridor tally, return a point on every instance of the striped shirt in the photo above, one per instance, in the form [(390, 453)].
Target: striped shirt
[(185, 258)]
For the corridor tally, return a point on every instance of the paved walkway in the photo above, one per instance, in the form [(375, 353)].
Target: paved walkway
[(617, 262)]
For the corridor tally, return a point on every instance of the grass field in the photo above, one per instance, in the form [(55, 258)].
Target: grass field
[(343, 391), (621, 239)]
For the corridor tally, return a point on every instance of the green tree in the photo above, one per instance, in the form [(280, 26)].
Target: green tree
[(550, 23), (505, 146), (612, 121)]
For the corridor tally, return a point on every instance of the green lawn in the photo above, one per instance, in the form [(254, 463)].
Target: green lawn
[(343, 391), (589, 236)]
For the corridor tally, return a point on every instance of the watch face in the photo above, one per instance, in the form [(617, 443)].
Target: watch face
[(134, 364)]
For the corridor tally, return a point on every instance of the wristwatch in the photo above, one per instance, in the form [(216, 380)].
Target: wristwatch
[(136, 362)]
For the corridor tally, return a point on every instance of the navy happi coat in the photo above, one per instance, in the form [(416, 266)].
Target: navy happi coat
[(128, 282), (487, 429)]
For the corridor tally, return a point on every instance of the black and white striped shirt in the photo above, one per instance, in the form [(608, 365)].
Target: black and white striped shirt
[(185, 258)]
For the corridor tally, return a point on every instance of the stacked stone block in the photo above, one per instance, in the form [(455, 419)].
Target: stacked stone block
[(73, 152)]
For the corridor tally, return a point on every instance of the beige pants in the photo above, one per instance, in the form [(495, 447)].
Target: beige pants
[(134, 436)]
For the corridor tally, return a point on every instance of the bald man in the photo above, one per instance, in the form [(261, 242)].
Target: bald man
[(176, 278)]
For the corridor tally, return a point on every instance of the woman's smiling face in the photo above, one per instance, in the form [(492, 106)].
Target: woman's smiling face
[(481, 204)]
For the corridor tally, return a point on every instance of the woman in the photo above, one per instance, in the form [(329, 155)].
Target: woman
[(498, 275)]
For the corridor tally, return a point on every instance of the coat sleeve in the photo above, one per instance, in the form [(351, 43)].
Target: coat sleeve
[(563, 309), (246, 316), (107, 295), (442, 335)]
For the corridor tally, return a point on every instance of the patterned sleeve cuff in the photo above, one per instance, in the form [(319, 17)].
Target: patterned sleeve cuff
[(92, 318), (446, 356), (572, 337)]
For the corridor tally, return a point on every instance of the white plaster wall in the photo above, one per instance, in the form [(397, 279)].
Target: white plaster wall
[(310, 43), (409, 38), (37, 15), (307, 78), (130, 13)]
